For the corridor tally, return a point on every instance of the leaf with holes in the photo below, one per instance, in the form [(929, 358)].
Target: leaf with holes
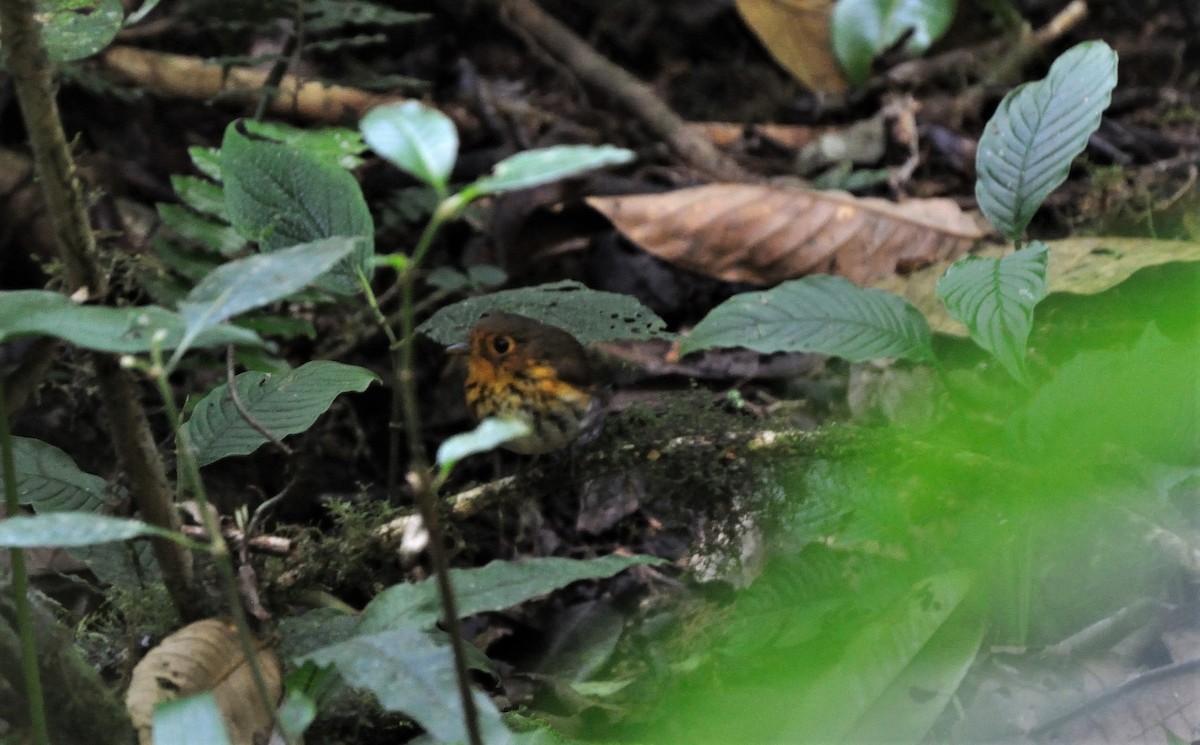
[(995, 299), (822, 313), (284, 404), (588, 315), (494, 587), (1028, 145)]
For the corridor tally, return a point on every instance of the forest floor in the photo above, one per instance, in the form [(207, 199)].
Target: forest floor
[(791, 495)]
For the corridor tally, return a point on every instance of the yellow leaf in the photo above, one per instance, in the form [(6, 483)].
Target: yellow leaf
[(796, 33)]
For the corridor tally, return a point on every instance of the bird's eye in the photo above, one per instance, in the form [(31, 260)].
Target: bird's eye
[(502, 344)]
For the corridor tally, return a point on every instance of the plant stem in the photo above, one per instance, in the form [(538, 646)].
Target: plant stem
[(419, 478), (20, 587), (189, 474), (32, 76)]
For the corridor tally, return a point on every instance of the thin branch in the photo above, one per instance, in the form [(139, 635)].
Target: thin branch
[(243, 412), (530, 22)]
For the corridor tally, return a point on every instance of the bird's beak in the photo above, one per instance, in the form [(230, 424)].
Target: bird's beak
[(458, 347)]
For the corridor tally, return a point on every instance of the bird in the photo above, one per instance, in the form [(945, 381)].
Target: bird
[(519, 368)]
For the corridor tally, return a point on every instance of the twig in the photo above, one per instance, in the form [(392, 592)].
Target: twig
[(962, 62), (181, 76), (31, 73), (242, 411), (530, 21), (263, 544)]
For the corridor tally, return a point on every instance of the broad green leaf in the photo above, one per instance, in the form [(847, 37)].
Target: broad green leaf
[(415, 138), (536, 167), (862, 29), (590, 316), (255, 281), (1028, 145), (337, 145), (496, 586), (192, 719), (995, 298), (118, 330), (49, 481), (410, 673), (490, 434), (71, 529), (280, 196), (285, 404), (821, 313)]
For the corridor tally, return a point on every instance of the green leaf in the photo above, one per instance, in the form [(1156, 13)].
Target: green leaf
[(588, 315), (49, 481), (118, 330), (71, 529), (336, 145), (1028, 145), (192, 719), (207, 160), (874, 659), (215, 234), (862, 29), (912, 703), (536, 167), (1142, 399), (490, 434), (307, 688), (496, 586), (78, 28), (204, 196), (255, 281), (415, 138), (410, 673), (820, 313), (280, 196), (995, 298), (285, 404)]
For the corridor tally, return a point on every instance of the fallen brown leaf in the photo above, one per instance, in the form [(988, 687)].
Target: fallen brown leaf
[(767, 234), (205, 656)]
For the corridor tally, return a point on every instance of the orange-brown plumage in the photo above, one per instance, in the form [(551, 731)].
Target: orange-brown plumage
[(520, 368)]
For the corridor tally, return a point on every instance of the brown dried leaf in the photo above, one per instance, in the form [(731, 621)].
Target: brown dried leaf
[(796, 33), (205, 656), (767, 234), (1083, 266)]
